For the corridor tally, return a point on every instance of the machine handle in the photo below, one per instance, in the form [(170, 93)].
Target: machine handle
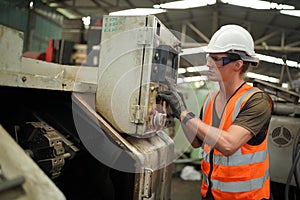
[(148, 183)]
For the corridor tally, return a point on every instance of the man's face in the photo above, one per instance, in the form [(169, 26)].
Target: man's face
[(220, 67)]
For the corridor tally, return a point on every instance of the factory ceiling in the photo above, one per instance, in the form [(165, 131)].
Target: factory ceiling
[(275, 34)]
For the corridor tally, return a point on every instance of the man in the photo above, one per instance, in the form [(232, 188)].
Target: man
[(233, 123)]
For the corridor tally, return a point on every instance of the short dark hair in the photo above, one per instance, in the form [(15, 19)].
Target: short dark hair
[(245, 66)]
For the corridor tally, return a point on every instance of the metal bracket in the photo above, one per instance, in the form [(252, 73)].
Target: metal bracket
[(137, 114), (148, 174)]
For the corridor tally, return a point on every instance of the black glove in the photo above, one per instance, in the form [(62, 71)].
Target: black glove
[(174, 99)]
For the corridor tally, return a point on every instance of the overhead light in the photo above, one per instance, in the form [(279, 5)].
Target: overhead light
[(285, 85), (195, 50), (181, 70), (295, 13), (138, 11), (257, 4), (185, 4), (53, 4), (197, 68), (262, 77), (278, 61), (192, 79)]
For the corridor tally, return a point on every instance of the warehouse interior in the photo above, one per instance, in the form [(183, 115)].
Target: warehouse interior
[(52, 55)]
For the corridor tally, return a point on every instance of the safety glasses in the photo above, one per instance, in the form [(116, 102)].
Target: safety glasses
[(225, 60)]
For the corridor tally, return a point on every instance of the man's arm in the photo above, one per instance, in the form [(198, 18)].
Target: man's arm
[(227, 142), (243, 129)]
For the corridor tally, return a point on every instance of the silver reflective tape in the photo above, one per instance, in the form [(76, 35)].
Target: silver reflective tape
[(240, 101), (239, 160), (239, 186), (206, 103)]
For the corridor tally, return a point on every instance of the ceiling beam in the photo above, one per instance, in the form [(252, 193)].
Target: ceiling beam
[(198, 32), (293, 44), (107, 3), (130, 3), (100, 6), (278, 48), (266, 37)]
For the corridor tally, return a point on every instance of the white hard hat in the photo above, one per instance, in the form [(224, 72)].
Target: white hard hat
[(234, 39)]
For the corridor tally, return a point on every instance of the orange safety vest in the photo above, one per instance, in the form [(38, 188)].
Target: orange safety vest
[(243, 175)]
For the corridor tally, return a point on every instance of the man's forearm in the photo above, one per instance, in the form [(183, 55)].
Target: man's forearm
[(189, 131)]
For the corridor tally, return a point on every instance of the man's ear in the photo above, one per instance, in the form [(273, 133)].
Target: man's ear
[(238, 65)]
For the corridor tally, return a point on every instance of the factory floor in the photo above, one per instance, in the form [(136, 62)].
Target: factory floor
[(184, 189)]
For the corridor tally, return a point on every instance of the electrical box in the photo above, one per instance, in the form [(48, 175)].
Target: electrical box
[(137, 55)]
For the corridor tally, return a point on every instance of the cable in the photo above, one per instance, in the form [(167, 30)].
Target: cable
[(289, 179), (296, 148), (294, 169)]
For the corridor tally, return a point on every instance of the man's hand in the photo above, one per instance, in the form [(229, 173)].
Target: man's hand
[(174, 99)]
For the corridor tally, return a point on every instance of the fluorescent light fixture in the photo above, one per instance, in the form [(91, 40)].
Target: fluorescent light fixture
[(257, 4), (53, 4), (197, 68), (185, 4), (295, 13), (262, 77), (278, 61), (285, 85), (195, 50), (138, 11), (192, 79), (181, 70)]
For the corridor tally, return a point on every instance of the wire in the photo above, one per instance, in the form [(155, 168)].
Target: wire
[(294, 169), (296, 148), (289, 179)]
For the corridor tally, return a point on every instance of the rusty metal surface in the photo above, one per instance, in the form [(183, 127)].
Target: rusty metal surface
[(158, 152), (154, 156)]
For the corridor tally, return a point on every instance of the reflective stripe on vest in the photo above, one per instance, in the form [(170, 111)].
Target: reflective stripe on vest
[(240, 186), (209, 97), (238, 159), (240, 101)]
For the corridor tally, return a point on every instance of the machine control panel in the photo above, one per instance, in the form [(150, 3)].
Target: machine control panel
[(137, 55)]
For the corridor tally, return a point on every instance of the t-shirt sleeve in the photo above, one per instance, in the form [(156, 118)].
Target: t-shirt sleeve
[(255, 114)]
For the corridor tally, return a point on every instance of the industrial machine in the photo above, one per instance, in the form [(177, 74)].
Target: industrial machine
[(146, 61), (96, 132), (284, 140)]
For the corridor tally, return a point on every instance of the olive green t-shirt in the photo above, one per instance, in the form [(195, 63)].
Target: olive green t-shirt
[(255, 117)]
